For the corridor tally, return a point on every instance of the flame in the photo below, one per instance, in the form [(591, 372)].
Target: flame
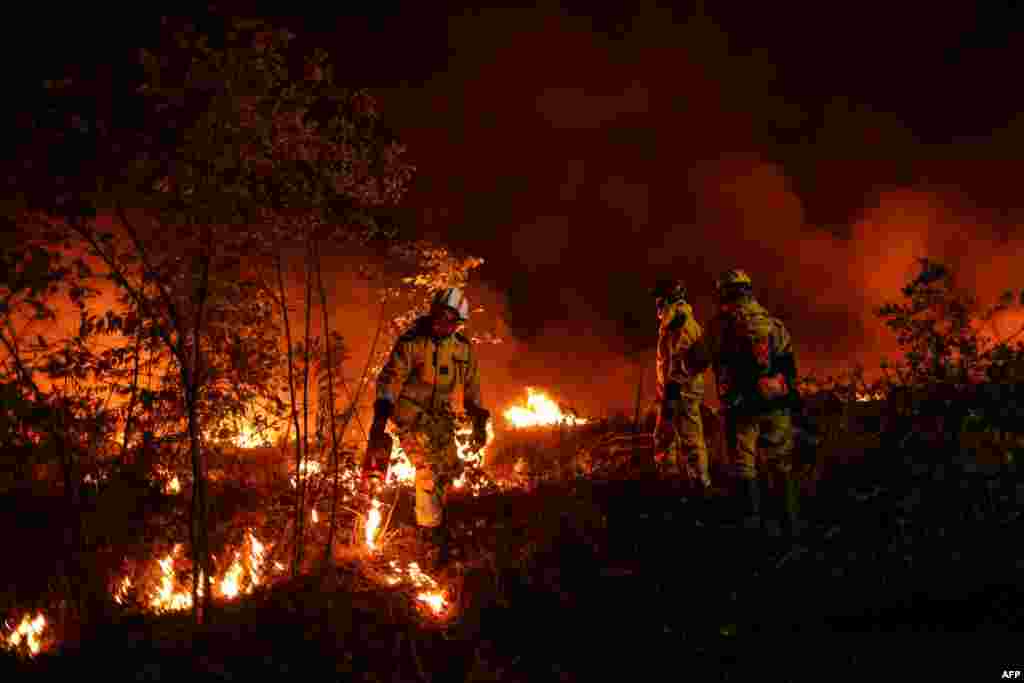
[(28, 632), (314, 516), (433, 595), (308, 467), (256, 558), (373, 525), (247, 434), (230, 584), (401, 470), (169, 597), (865, 397), (171, 483), (121, 594), (539, 410), (166, 598), (469, 457)]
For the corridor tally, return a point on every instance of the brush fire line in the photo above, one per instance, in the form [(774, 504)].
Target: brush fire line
[(245, 573)]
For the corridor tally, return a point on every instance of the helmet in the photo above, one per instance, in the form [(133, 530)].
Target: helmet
[(670, 291), (733, 281), (455, 299)]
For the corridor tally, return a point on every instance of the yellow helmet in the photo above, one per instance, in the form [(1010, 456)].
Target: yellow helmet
[(453, 298), (733, 281)]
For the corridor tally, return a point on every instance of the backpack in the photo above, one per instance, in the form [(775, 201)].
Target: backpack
[(749, 354)]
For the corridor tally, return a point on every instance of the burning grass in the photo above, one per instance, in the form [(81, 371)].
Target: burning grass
[(164, 586), (540, 410)]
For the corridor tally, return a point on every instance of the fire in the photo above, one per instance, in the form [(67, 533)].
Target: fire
[(28, 632), (256, 558), (469, 457), (173, 486), (433, 595), (401, 470), (121, 594), (168, 596), (308, 467), (246, 433), (373, 525), (539, 410), (230, 584), (314, 516), (865, 397)]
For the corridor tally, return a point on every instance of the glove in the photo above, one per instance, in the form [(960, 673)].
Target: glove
[(479, 438), (378, 454), (378, 448)]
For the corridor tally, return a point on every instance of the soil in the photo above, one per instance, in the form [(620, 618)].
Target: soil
[(906, 567)]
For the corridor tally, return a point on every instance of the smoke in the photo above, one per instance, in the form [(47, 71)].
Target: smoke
[(583, 159)]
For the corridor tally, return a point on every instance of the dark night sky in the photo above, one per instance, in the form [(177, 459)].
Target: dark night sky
[(821, 147)]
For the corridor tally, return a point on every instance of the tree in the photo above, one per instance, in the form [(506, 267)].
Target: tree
[(941, 330), (244, 146)]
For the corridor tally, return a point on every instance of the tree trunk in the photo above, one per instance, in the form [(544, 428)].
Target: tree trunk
[(291, 396), (198, 528), (300, 527), (335, 488)]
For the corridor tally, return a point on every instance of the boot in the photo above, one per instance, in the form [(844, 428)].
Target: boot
[(752, 519)]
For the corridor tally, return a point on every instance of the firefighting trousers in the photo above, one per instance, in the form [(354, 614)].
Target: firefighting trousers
[(689, 450), (773, 432), (430, 446)]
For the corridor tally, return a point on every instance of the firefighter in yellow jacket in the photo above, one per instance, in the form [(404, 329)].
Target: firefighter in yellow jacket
[(681, 362), (755, 370), (428, 363)]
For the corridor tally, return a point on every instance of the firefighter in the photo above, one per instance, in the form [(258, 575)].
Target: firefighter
[(414, 391), (681, 362), (755, 372)]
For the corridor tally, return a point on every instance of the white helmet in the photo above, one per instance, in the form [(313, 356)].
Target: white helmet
[(455, 299)]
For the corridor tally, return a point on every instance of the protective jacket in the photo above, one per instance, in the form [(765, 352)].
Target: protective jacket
[(422, 373), (682, 357), (747, 345)]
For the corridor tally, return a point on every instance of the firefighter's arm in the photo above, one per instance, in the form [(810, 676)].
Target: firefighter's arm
[(472, 400), (395, 372), (389, 384)]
